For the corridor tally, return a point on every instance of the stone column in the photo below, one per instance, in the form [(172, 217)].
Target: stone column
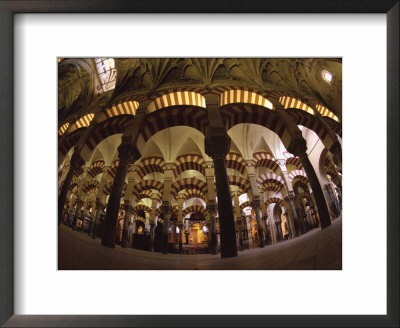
[(127, 220), (127, 154), (298, 148), (256, 206), (264, 215), (187, 233), (167, 215), (300, 221), (154, 201), (99, 208), (217, 145), (212, 231), (238, 217), (76, 162), (79, 204), (180, 199)]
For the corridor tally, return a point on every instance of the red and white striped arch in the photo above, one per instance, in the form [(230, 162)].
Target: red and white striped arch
[(276, 200), (242, 95), (265, 159), (150, 165), (195, 209), (270, 181), (243, 184), (177, 98), (96, 168), (188, 183), (112, 171), (141, 207), (194, 193), (126, 108), (90, 186), (147, 194), (189, 162), (147, 185), (298, 174), (235, 161), (289, 102), (294, 161)]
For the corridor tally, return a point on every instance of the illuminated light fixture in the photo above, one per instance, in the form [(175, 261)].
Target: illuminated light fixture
[(204, 229), (327, 76), (177, 230), (244, 96)]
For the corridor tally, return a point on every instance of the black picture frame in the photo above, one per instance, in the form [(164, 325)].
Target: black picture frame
[(7, 11)]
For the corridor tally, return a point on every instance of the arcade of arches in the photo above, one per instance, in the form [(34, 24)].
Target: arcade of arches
[(190, 156)]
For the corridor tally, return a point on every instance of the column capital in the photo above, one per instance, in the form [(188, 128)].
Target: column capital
[(209, 164), (298, 147), (76, 161), (255, 203), (169, 166), (217, 143), (128, 153), (249, 162), (212, 209)]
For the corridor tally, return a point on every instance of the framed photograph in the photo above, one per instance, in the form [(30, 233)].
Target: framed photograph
[(206, 165)]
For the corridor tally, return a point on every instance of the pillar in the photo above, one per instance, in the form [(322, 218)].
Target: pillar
[(76, 162), (167, 215), (298, 148), (127, 220), (212, 231), (256, 206), (217, 145), (127, 154), (180, 199), (238, 217)]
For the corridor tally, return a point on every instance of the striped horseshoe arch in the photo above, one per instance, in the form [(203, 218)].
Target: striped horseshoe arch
[(298, 174), (195, 209), (96, 168), (177, 98), (189, 162), (312, 123), (141, 207), (294, 161), (272, 178), (103, 130), (290, 102), (265, 159), (150, 165), (194, 193), (243, 95), (243, 184), (244, 205), (277, 200), (147, 185), (188, 183), (235, 161), (90, 186), (194, 117), (235, 114)]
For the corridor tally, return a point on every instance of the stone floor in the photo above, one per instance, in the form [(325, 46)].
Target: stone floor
[(315, 250)]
